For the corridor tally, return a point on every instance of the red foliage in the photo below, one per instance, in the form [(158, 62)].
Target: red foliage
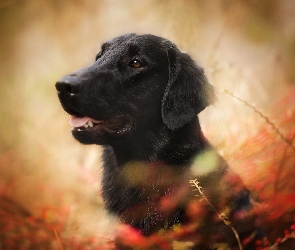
[(265, 161), (18, 230)]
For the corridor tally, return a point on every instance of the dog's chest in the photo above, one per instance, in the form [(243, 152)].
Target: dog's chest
[(141, 183)]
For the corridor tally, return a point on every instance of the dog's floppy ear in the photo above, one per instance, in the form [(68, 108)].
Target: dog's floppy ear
[(187, 92)]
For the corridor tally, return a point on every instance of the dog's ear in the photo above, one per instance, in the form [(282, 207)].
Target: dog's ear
[(187, 92)]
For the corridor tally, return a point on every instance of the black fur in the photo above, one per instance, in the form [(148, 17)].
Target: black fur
[(152, 138)]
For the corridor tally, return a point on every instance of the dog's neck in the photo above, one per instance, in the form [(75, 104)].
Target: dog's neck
[(173, 147)]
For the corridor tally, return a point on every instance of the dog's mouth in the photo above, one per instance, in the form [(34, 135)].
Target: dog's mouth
[(116, 126)]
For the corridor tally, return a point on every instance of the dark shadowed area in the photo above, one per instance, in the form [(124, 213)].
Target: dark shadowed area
[(50, 184)]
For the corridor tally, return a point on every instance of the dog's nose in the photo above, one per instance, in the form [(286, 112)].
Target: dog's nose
[(67, 85)]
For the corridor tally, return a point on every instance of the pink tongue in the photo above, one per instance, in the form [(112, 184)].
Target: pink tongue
[(78, 122)]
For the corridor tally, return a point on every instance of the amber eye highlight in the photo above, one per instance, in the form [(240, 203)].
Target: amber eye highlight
[(135, 63)]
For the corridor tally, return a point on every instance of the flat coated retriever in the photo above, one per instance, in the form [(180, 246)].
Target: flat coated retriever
[(140, 100)]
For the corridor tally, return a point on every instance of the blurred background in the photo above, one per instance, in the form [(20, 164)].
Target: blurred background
[(245, 47)]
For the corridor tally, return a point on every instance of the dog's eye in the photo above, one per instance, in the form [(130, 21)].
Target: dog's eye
[(135, 63)]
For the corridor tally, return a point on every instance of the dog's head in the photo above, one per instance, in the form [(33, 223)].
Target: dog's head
[(136, 81)]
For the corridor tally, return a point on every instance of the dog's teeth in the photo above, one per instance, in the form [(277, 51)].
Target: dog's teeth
[(90, 124), (85, 126)]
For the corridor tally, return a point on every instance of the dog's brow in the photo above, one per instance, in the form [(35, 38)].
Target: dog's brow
[(105, 46), (133, 49)]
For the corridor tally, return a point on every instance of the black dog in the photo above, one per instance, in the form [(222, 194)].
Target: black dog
[(140, 99)]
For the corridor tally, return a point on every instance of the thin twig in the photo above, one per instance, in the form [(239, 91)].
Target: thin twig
[(266, 118), (58, 240), (223, 217)]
